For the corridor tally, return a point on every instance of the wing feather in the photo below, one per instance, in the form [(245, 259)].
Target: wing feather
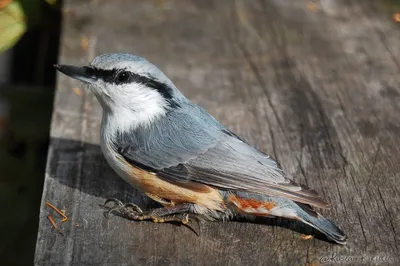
[(191, 146)]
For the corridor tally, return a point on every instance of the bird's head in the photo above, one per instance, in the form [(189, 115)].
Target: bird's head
[(127, 85)]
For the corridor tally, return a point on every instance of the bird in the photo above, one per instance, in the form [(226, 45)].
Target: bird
[(180, 156)]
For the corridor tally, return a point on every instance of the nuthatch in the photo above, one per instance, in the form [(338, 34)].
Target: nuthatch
[(180, 156)]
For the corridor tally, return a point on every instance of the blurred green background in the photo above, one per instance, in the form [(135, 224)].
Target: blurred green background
[(29, 40)]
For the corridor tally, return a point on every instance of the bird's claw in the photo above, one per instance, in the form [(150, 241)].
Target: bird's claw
[(187, 221), (116, 202), (134, 207), (121, 207)]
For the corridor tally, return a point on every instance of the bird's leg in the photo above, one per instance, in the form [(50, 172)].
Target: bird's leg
[(159, 215)]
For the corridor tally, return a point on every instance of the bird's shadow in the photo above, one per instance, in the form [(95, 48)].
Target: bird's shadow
[(289, 224), (82, 166)]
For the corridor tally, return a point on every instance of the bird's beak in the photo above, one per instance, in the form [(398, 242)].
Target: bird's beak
[(80, 73)]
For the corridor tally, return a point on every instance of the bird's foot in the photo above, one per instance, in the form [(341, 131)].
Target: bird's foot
[(121, 207), (177, 213)]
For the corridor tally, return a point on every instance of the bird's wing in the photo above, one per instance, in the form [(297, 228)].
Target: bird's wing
[(178, 150)]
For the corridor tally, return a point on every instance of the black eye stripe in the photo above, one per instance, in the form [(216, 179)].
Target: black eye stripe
[(106, 75), (111, 76)]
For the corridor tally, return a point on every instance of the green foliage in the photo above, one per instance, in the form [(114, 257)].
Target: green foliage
[(12, 25), (19, 15)]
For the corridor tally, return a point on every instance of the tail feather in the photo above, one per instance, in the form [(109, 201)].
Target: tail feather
[(325, 226), (260, 205)]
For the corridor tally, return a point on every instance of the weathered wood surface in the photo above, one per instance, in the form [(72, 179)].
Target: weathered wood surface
[(319, 91)]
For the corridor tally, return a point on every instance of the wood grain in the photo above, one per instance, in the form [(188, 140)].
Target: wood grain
[(317, 88)]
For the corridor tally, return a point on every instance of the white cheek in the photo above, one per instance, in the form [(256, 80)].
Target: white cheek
[(132, 105)]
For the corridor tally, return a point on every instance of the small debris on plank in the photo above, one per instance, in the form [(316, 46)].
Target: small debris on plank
[(77, 91), (53, 223), (396, 17), (306, 237), (312, 7), (62, 213), (85, 43)]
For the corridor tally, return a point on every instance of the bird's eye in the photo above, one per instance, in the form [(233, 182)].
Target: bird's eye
[(123, 77)]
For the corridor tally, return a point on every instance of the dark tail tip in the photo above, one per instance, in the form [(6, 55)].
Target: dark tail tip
[(337, 235), (328, 228)]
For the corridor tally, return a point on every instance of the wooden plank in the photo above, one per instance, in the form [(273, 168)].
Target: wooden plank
[(317, 87)]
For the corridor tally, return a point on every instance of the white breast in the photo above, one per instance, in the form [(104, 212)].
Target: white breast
[(113, 158)]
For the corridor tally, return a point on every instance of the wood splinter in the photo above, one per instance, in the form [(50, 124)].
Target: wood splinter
[(53, 223), (65, 218)]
